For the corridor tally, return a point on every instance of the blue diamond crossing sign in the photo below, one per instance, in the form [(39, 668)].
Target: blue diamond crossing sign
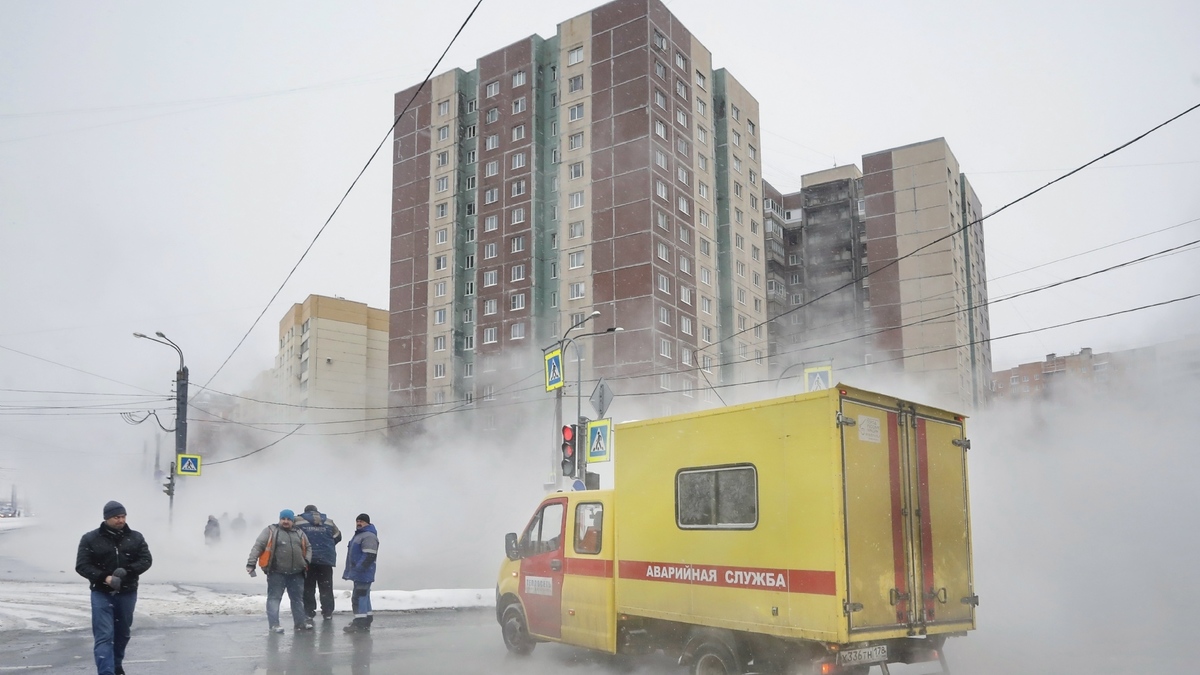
[(187, 465)]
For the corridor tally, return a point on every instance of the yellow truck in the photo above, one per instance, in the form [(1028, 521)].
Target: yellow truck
[(822, 533)]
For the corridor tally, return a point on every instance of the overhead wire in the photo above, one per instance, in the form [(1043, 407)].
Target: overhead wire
[(341, 201)]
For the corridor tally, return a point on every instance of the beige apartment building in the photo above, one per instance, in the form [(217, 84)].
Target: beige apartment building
[(331, 369)]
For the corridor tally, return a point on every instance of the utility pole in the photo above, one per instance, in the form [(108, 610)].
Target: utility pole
[(181, 401)]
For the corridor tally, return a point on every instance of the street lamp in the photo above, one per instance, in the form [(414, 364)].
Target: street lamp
[(582, 463), (181, 394)]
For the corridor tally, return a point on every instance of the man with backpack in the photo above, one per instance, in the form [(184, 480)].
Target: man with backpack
[(283, 553), (323, 536)]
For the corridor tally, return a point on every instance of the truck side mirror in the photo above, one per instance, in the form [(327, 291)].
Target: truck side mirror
[(510, 546)]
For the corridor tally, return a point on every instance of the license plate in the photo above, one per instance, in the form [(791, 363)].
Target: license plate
[(852, 657)]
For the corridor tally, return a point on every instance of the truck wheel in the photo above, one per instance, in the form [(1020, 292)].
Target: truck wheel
[(714, 658), (516, 632)]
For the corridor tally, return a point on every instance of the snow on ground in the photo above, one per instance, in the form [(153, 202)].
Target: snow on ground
[(53, 607)]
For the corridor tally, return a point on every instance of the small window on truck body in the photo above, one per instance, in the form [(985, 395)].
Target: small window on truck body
[(717, 498), (589, 527)]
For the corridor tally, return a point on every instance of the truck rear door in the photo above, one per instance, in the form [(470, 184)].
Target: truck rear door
[(907, 525)]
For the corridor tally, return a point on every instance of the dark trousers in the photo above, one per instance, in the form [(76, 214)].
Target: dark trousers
[(360, 603), (319, 576), (112, 617)]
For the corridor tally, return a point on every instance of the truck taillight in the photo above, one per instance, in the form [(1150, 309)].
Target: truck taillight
[(827, 668)]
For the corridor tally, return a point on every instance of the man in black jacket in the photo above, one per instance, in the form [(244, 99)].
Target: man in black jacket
[(111, 558)]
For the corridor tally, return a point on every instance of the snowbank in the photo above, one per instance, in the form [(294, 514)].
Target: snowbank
[(67, 606)]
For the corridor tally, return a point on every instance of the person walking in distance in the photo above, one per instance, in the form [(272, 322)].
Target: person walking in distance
[(212, 531), (360, 568), (111, 558), (283, 553), (323, 536)]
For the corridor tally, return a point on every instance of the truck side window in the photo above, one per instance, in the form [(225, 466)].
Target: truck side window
[(717, 498), (544, 533), (589, 527)]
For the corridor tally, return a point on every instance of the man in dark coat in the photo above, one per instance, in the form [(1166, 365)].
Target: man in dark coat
[(323, 537), (111, 558), (360, 568)]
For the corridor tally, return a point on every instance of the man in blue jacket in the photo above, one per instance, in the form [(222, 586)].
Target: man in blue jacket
[(360, 568), (111, 558), (323, 537)]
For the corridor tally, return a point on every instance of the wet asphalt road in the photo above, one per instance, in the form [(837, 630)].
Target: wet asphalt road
[(463, 641)]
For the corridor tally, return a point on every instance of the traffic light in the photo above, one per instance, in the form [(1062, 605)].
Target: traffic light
[(169, 487), (570, 442)]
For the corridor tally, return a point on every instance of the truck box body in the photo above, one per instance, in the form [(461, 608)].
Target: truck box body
[(838, 516)]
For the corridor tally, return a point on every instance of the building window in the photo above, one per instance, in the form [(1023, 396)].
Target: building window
[(706, 304), (468, 315), (575, 229), (685, 325), (685, 265), (575, 83), (491, 142), (664, 348), (442, 236), (702, 135), (444, 133), (680, 60), (517, 332), (576, 170), (660, 128), (439, 371), (518, 78), (664, 284), (490, 278), (493, 89), (660, 99), (489, 336), (735, 137), (491, 195), (682, 174), (685, 205), (439, 262), (439, 316), (685, 295), (471, 131), (681, 118), (443, 158), (516, 216), (681, 89), (468, 345), (575, 112), (517, 273), (517, 244), (519, 105), (518, 160), (518, 188), (660, 158), (660, 70), (516, 302), (439, 343), (439, 289), (660, 188), (518, 132), (750, 127), (577, 290), (489, 307), (575, 260), (444, 108), (443, 184), (575, 56), (576, 200), (491, 168), (660, 41), (702, 162), (575, 141), (490, 223), (493, 114)]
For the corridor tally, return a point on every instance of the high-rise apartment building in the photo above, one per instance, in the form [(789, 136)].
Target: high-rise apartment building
[(928, 291), (881, 278), (607, 168)]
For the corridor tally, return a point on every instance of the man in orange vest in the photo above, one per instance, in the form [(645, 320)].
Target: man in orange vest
[(283, 553)]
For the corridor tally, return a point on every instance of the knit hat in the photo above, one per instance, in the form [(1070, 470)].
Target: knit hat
[(113, 509), (311, 509), (364, 517), (287, 513)]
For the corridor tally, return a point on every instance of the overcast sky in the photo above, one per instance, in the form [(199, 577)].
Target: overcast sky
[(164, 165)]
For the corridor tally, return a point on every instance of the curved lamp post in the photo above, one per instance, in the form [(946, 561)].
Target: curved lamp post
[(181, 397)]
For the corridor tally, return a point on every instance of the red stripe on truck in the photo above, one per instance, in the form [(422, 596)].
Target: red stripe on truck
[(900, 578), (588, 567), (926, 524), (815, 582)]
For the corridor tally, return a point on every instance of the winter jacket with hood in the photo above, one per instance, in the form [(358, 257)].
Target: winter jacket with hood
[(323, 536), (104, 550), (360, 555), (290, 554)]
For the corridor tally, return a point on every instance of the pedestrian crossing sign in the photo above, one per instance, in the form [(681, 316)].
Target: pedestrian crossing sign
[(818, 378), (187, 465), (600, 440), (554, 372)]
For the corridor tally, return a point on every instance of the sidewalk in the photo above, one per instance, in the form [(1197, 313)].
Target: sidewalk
[(54, 607)]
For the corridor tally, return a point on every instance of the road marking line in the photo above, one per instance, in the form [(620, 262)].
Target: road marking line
[(24, 667)]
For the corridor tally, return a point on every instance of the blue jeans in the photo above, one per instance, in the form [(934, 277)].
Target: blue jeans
[(112, 617), (277, 582)]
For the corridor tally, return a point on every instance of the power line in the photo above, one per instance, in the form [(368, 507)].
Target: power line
[(341, 201)]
